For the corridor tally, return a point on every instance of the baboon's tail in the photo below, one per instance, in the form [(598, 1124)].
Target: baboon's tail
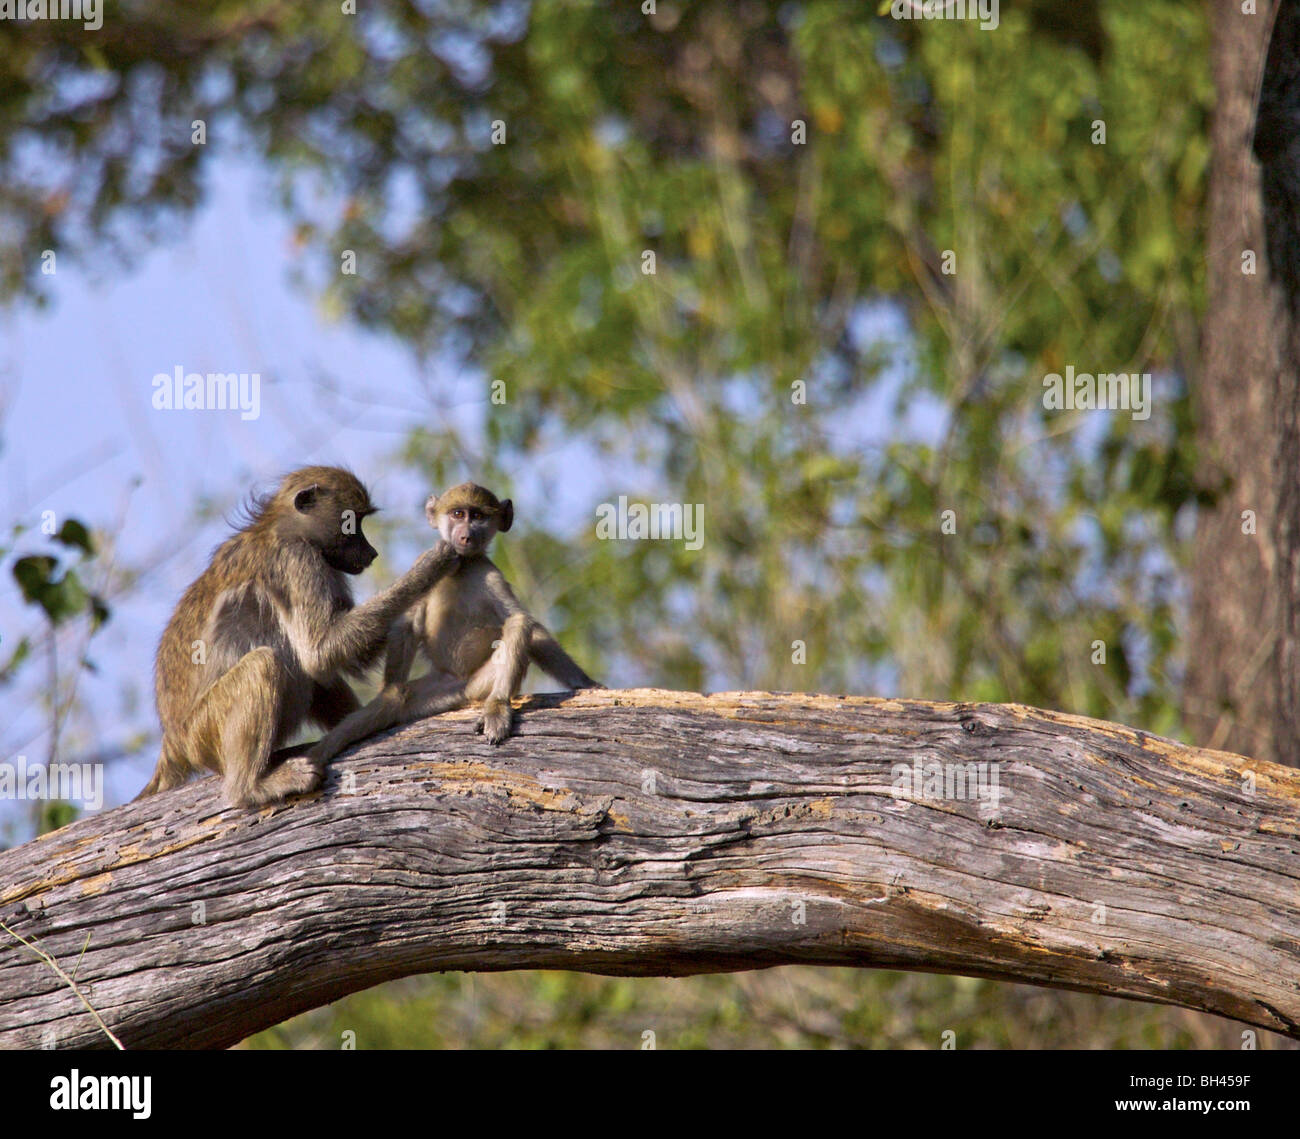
[(152, 787), (166, 775)]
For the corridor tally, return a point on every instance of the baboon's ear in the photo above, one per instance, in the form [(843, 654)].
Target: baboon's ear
[(304, 500), (507, 514)]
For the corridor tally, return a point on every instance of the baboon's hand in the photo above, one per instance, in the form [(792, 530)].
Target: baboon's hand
[(435, 560)]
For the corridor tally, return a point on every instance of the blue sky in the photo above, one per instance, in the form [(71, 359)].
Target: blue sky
[(81, 437)]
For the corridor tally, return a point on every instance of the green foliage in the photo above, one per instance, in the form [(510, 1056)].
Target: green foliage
[(55, 586), (776, 1008), (55, 813)]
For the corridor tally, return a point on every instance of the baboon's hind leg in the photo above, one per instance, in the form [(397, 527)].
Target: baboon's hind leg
[(551, 658), (236, 721), (386, 710)]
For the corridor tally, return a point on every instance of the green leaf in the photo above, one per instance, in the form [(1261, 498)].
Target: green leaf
[(54, 815), (65, 598), (33, 575), (74, 533)]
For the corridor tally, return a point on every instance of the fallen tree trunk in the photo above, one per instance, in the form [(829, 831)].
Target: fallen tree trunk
[(648, 832)]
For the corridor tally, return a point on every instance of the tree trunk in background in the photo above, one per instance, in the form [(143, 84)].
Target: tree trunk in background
[(1230, 697), (1277, 143)]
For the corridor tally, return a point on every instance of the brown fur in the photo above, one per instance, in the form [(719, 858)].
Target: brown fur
[(476, 635), (260, 642)]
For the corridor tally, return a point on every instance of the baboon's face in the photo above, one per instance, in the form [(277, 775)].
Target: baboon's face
[(352, 555), (468, 517), (330, 511)]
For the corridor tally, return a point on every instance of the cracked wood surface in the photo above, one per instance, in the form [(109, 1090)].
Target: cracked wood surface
[(647, 832)]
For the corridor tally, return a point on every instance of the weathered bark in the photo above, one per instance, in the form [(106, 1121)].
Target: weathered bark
[(646, 832), (1230, 694)]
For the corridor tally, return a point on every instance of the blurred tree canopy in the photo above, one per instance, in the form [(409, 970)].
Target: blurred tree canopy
[(804, 360), (871, 239)]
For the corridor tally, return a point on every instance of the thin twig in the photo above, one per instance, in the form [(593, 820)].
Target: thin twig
[(99, 1020)]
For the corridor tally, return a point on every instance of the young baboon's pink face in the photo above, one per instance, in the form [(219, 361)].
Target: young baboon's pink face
[(468, 517), (468, 529)]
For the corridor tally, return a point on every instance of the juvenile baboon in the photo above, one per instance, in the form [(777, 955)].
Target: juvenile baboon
[(471, 627), (260, 642)]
